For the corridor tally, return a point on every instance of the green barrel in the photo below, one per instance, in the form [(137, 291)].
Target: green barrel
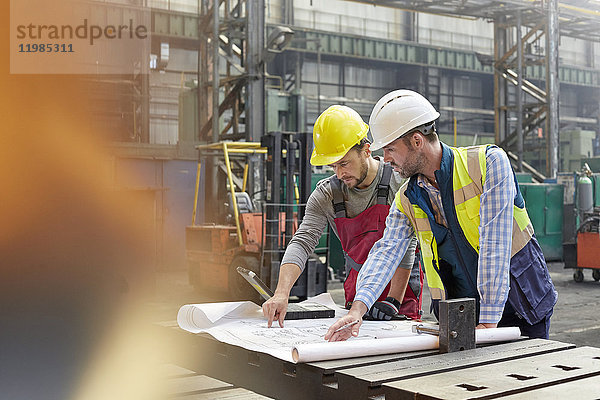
[(544, 204), (524, 177)]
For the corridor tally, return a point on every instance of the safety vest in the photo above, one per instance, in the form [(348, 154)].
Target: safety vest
[(468, 178)]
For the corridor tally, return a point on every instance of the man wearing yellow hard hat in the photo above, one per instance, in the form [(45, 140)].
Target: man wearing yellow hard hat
[(355, 203)]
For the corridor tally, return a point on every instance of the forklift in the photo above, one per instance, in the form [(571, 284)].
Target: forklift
[(253, 235)]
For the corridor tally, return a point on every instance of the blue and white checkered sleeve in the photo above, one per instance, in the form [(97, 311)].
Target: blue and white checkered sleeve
[(384, 257), (495, 235)]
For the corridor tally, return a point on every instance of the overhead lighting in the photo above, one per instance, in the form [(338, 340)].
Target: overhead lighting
[(279, 38)]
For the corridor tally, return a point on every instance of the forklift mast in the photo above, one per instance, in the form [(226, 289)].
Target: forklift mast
[(287, 188)]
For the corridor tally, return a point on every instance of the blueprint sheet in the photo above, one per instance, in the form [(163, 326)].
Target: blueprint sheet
[(243, 324)]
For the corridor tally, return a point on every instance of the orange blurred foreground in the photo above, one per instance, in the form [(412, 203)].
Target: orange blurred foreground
[(74, 271)]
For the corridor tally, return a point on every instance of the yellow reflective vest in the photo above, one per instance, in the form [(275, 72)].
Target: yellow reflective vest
[(468, 178)]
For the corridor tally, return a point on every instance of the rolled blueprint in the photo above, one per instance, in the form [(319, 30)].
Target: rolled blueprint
[(362, 347), (493, 335), (371, 347)]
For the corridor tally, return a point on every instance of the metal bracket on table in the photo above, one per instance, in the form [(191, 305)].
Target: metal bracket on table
[(457, 325)]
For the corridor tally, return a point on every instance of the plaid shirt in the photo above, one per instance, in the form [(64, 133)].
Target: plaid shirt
[(436, 200), (495, 240)]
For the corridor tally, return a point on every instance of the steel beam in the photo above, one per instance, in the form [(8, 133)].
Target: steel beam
[(215, 73), (519, 93), (255, 89), (552, 88), (500, 86), (255, 25)]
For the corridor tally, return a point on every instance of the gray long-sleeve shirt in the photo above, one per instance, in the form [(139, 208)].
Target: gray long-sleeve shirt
[(319, 212)]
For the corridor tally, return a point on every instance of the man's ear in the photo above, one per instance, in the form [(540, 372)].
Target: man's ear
[(417, 139), (367, 149)]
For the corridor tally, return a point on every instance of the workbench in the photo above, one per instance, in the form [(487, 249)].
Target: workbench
[(522, 369)]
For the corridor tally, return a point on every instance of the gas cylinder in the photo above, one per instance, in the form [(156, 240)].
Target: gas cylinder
[(585, 195)]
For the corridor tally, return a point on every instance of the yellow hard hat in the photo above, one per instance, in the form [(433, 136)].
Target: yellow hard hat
[(335, 132)]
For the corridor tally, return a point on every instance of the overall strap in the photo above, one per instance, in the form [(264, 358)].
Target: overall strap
[(349, 264), (383, 188), (339, 207)]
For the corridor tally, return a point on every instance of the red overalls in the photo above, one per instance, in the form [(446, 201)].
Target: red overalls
[(357, 236)]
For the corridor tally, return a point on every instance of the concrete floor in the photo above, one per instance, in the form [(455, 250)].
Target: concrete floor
[(576, 316)]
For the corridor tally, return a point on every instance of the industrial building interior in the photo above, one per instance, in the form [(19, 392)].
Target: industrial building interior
[(520, 74), (210, 148)]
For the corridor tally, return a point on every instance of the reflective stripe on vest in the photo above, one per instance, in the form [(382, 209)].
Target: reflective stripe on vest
[(469, 173)]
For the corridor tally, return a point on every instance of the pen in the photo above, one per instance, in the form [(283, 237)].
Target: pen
[(346, 326)]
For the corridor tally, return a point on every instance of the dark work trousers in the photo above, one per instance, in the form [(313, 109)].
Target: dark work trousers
[(535, 331)]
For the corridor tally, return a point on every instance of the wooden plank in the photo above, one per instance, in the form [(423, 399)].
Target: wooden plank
[(175, 371), (183, 384), (204, 387), (367, 380), (228, 394), (580, 389), (501, 378), (177, 387)]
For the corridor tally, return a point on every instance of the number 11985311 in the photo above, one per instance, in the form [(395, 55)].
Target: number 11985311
[(46, 48)]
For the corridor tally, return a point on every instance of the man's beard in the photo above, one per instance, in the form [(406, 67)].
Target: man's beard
[(413, 165), (364, 170)]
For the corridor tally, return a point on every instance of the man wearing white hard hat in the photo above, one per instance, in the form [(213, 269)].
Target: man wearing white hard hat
[(466, 209)]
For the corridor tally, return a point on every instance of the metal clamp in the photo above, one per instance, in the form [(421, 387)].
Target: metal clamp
[(457, 325)]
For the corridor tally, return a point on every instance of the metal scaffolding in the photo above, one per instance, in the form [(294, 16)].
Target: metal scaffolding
[(234, 32), (531, 106), (231, 42), (521, 106), (231, 31)]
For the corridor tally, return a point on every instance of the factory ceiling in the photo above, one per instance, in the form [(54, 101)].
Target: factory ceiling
[(577, 18)]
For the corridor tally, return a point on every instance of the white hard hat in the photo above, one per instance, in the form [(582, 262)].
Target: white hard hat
[(398, 113)]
